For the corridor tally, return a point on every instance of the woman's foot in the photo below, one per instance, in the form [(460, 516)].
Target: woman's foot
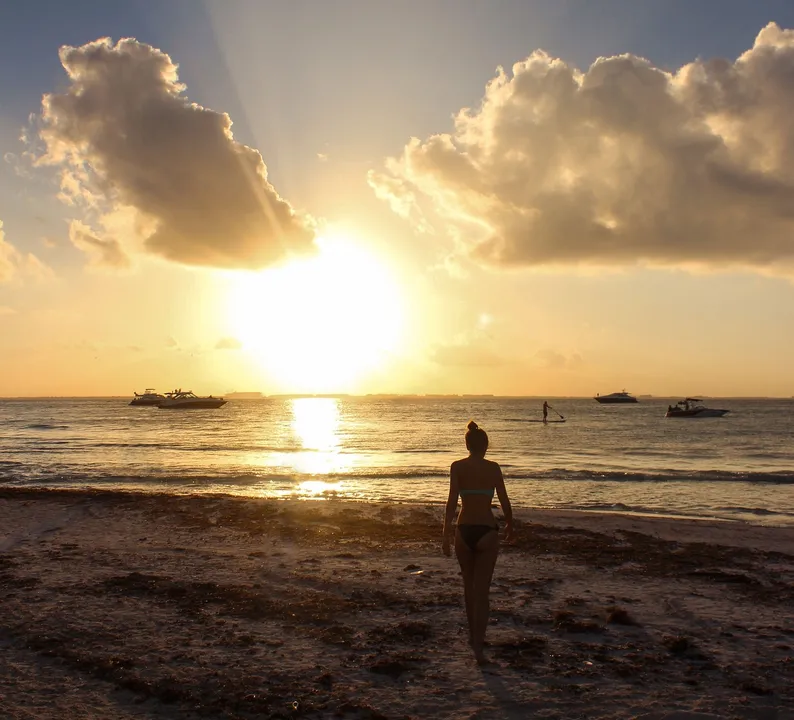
[(479, 656)]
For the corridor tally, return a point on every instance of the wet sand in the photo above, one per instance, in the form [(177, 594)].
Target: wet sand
[(118, 605)]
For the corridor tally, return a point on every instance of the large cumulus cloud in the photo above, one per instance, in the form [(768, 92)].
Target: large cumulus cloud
[(622, 163), (125, 135)]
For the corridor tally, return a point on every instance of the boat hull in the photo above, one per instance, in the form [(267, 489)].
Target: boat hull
[(699, 413), (203, 404), (140, 402), (615, 401)]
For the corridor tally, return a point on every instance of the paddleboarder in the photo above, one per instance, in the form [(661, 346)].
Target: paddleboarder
[(546, 407)]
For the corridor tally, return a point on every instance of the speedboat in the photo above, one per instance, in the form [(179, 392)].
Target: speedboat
[(187, 400), (149, 397), (615, 398), (692, 408)]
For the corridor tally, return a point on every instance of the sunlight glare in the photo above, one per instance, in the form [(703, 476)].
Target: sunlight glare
[(315, 421), (319, 324)]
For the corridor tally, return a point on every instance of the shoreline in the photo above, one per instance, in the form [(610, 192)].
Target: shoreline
[(754, 519), (586, 517), (136, 605)]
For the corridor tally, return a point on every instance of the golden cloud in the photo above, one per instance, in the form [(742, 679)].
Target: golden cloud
[(124, 135), (623, 163)]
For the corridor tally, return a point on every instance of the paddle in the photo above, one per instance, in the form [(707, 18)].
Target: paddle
[(562, 417)]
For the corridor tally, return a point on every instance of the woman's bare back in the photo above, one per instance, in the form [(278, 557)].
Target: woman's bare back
[(478, 480)]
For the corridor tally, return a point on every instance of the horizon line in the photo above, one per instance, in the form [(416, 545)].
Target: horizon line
[(429, 396)]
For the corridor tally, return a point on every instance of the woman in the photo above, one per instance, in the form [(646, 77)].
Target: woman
[(477, 537)]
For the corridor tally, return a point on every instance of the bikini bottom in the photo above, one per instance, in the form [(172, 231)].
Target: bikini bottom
[(472, 534)]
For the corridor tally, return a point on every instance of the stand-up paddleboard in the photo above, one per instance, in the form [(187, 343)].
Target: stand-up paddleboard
[(545, 421)]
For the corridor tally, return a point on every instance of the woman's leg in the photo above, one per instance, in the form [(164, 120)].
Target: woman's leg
[(466, 561), (484, 563)]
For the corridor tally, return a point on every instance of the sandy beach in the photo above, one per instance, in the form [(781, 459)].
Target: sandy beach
[(119, 605)]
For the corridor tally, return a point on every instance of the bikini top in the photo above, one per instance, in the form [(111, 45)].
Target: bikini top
[(477, 491)]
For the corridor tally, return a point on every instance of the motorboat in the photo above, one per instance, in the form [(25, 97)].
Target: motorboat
[(692, 408), (187, 400), (615, 398), (149, 397)]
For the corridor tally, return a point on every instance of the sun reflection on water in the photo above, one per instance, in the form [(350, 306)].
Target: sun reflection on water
[(315, 423), (318, 487)]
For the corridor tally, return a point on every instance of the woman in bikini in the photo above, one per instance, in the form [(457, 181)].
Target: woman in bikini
[(477, 537)]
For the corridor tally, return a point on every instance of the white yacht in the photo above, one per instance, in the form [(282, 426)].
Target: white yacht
[(615, 398), (149, 397), (187, 400)]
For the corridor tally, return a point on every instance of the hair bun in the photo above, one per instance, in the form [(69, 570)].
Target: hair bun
[(472, 426)]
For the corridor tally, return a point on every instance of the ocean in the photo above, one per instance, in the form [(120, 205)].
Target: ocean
[(626, 458)]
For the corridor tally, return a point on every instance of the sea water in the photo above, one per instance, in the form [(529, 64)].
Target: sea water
[(627, 458)]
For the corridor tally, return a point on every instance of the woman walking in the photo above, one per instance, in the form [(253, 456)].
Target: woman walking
[(475, 480)]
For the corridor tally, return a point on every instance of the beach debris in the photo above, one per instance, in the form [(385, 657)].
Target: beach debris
[(389, 667), (325, 680), (409, 631), (359, 710), (523, 653), (396, 665), (567, 622), (411, 567), (756, 687), (619, 616), (677, 644)]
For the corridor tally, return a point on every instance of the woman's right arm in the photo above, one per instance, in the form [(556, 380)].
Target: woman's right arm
[(504, 501)]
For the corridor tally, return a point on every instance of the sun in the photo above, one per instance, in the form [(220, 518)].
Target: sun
[(319, 324)]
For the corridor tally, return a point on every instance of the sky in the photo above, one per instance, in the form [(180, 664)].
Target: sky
[(519, 197)]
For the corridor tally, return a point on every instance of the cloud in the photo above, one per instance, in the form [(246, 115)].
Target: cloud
[(623, 163), (105, 252), (19, 164), (228, 343), (124, 135), (470, 348), (402, 200), (553, 360), (15, 265), (5, 310)]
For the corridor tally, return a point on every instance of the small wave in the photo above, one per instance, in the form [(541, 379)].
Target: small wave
[(638, 510), (46, 426), (770, 455), (753, 511), (185, 477), (170, 445), (179, 480), (423, 451), (685, 476), (386, 473)]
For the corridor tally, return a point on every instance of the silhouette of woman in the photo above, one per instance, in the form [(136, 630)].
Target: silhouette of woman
[(475, 479)]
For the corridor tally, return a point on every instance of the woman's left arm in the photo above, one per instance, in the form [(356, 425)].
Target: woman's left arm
[(504, 501), (452, 504)]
